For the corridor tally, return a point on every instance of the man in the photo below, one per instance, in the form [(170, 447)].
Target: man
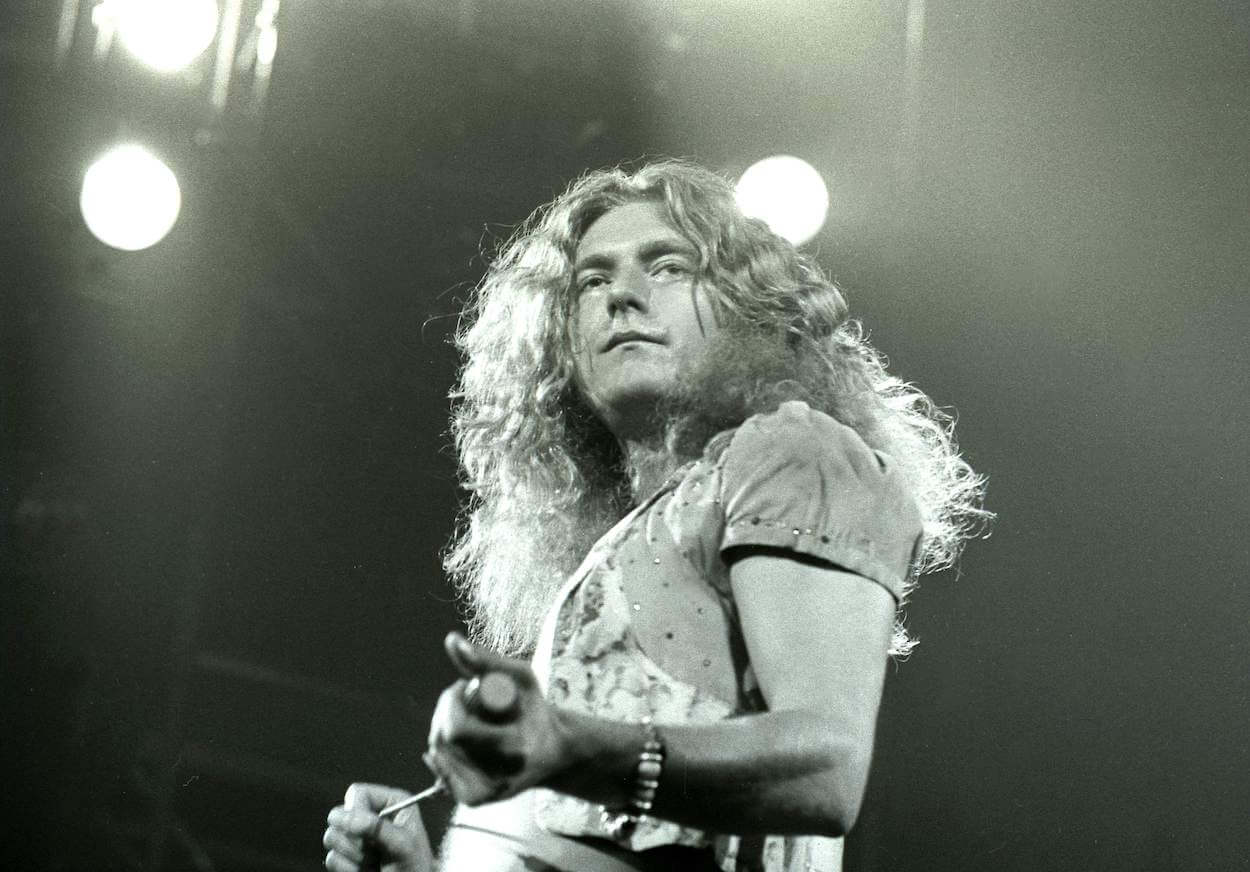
[(697, 503)]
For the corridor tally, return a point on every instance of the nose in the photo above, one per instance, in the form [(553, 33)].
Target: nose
[(629, 291)]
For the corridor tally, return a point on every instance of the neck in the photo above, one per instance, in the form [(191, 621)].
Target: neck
[(649, 463)]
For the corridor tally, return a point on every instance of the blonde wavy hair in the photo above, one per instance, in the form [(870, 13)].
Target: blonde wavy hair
[(545, 477)]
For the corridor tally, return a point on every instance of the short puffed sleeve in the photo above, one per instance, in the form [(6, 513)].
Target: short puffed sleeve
[(798, 479)]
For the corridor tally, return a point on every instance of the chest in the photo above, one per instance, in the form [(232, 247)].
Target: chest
[(676, 615)]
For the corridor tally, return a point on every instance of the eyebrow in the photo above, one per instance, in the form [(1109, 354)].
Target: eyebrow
[(647, 251)]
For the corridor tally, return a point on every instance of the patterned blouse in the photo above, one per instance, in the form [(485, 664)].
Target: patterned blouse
[(648, 626)]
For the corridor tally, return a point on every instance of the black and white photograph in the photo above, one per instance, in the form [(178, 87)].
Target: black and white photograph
[(625, 435)]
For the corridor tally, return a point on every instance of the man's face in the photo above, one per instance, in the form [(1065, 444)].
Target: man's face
[(640, 318)]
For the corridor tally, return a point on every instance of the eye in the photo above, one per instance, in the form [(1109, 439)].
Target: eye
[(591, 282), (671, 269)]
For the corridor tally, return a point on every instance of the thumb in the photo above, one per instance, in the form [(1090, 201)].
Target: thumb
[(473, 660), (464, 655), (405, 840), (372, 797)]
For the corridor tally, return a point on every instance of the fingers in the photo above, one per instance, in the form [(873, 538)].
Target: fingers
[(479, 743), (349, 849), (492, 685), (397, 841), (372, 797), (336, 862), (355, 828), (465, 781), (485, 739), (496, 750), (472, 660), (462, 654), (345, 846)]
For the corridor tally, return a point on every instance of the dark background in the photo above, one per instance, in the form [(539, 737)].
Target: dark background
[(225, 477)]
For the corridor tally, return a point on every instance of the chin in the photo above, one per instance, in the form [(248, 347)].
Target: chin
[(633, 405)]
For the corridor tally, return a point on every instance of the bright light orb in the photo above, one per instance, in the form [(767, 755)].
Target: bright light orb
[(130, 198), (166, 35), (787, 194)]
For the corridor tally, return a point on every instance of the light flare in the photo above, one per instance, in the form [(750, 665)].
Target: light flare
[(786, 193), (130, 198)]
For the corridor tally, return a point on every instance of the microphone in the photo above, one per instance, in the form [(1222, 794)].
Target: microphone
[(492, 696)]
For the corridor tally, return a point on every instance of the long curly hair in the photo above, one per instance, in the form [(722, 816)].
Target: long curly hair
[(545, 477)]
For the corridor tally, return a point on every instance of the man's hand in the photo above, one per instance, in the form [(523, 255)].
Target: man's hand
[(484, 755), (359, 841)]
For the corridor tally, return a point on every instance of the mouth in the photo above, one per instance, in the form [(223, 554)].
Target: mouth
[(629, 336)]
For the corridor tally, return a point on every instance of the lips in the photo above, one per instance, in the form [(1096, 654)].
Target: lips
[(629, 336)]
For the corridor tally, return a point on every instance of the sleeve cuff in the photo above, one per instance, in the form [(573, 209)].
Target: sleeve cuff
[(853, 554)]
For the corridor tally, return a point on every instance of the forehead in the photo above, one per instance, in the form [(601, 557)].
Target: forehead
[(627, 225)]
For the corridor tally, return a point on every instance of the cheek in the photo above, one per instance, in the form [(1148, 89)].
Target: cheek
[(707, 318), (710, 309), (578, 344), (581, 329)]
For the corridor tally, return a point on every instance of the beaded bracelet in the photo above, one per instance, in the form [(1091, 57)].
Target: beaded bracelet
[(621, 825)]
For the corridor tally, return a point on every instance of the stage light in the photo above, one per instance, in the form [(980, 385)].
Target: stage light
[(166, 35), (130, 198), (266, 46), (787, 194)]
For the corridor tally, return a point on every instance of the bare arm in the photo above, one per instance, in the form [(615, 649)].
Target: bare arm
[(817, 639)]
